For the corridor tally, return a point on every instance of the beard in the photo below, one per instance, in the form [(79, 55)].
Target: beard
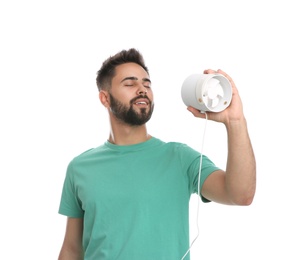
[(128, 115)]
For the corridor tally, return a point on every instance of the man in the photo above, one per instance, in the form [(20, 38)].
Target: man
[(129, 198)]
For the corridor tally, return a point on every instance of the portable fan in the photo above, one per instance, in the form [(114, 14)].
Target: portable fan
[(207, 92)]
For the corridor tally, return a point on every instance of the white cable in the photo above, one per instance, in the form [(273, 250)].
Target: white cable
[(199, 187)]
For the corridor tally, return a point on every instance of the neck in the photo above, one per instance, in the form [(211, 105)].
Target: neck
[(123, 134)]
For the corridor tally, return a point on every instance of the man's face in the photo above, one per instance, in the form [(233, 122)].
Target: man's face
[(131, 97)]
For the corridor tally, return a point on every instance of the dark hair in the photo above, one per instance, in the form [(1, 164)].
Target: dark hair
[(107, 70)]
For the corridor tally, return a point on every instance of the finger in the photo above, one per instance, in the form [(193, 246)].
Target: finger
[(209, 71), (193, 110), (196, 112)]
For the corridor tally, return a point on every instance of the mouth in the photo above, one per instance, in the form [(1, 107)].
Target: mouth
[(141, 102)]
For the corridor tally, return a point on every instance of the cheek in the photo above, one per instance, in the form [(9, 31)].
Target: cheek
[(150, 96), (123, 96)]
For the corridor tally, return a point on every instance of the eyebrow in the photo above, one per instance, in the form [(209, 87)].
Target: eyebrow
[(135, 78)]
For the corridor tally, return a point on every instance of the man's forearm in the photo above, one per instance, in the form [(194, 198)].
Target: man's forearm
[(241, 164)]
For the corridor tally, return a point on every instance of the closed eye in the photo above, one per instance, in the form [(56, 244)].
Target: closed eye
[(131, 81)]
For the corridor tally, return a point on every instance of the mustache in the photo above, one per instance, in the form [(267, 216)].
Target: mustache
[(132, 101)]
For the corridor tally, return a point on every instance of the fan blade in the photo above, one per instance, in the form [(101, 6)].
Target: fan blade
[(209, 102), (218, 99), (214, 88), (213, 102), (220, 91), (212, 83)]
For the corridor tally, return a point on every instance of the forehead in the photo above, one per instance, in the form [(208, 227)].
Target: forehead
[(130, 70)]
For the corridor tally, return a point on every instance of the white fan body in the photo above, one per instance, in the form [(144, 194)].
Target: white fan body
[(207, 92)]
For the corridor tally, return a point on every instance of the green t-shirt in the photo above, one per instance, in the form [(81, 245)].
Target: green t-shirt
[(134, 199)]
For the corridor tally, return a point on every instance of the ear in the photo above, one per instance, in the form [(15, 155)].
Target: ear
[(104, 98)]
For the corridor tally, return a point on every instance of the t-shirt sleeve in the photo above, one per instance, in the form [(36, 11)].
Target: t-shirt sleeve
[(70, 204), (192, 165), (208, 167)]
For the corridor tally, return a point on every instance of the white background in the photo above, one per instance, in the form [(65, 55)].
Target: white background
[(50, 52)]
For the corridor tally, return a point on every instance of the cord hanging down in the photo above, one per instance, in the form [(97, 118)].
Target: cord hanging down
[(199, 188)]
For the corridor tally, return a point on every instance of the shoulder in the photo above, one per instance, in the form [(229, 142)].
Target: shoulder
[(87, 155)]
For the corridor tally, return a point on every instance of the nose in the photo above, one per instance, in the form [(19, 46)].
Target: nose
[(142, 90)]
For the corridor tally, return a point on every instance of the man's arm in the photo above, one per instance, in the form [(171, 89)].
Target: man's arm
[(72, 245), (236, 185)]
